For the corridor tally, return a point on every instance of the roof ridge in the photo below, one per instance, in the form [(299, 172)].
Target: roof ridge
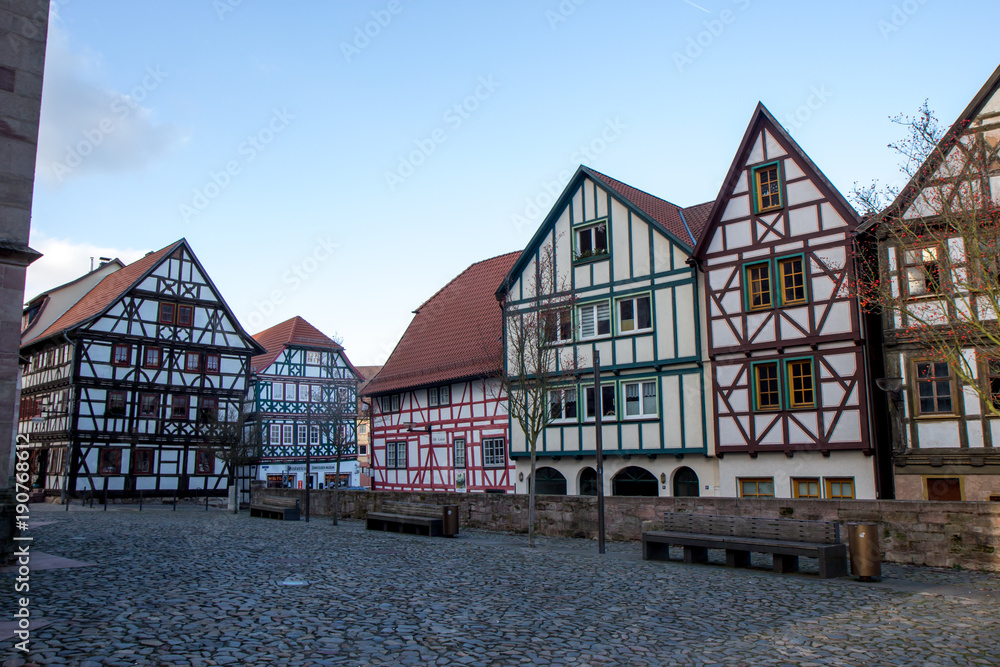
[(648, 194), (463, 272)]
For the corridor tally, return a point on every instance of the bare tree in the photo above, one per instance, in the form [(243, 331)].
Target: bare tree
[(536, 363), (237, 442), (336, 416), (932, 261)]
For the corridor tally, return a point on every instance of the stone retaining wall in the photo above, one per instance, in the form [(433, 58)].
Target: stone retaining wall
[(940, 534)]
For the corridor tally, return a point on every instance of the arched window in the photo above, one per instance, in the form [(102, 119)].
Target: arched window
[(685, 483), (550, 482), (633, 481), (588, 482)]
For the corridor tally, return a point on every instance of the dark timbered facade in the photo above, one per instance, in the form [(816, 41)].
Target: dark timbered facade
[(125, 388), (789, 386), (304, 398)]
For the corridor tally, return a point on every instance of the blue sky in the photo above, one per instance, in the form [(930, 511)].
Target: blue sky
[(343, 160)]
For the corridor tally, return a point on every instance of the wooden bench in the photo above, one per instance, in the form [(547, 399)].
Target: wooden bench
[(416, 518), (785, 539), (276, 507)]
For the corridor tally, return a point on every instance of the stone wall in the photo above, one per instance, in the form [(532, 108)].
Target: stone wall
[(940, 534)]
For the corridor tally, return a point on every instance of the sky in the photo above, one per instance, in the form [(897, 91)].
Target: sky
[(342, 161)]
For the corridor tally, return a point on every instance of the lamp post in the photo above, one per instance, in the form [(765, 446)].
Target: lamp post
[(598, 413)]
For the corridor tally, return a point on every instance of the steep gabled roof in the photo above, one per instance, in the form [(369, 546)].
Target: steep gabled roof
[(681, 225), (52, 304), (295, 331), (931, 163), (454, 335), (762, 117), (106, 293)]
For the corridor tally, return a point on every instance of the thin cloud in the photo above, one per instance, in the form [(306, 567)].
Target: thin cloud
[(64, 260)]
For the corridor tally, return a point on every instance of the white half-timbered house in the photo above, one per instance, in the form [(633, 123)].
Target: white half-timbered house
[(439, 415), (790, 388), (123, 388), (619, 256), (945, 436), (304, 397)]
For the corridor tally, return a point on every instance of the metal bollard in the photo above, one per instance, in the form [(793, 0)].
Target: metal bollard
[(140, 501), (866, 555)]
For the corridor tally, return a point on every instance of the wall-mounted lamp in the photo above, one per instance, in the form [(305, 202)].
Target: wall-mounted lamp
[(413, 426), (520, 476), (663, 478)]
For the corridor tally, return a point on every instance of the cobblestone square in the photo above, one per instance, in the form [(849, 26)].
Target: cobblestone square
[(196, 587)]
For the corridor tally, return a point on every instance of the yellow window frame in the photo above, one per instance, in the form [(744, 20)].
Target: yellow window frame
[(759, 391), (829, 482), (756, 481), (786, 270), (767, 178), (809, 481), (801, 371), (758, 278)]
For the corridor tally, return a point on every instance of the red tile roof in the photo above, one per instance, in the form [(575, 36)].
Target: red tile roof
[(295, 331), (106, 292), (456, 334), (672, 217)]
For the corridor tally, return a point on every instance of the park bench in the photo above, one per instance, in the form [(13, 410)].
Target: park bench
[(785, 539), (276, 507), (416, 518)]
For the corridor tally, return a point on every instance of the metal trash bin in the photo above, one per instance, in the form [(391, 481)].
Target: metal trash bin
[(449, 513), (866, 554)]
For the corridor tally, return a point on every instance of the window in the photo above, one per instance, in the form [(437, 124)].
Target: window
[(766, 393), (494, 453), (362, 450), (315, 393), (758, 281), (390, 403), (592, 240), (290, 391), (557, 325), (151, 357), (110, 461), (438, 396), (314, 435), (142, 462), (595, 320), (640, 398), (634, 314), (767, 188), (934, 387), (793, 281), (185, 316), (275, 438), (203, 462), (312, 357), (212, 363), (459, 445), (944, 488), (149, 405), (432, 397), (756, 487), (166, 315), (192, 361), (208, 410), (607, 401), (116, 403), (839, 488), (562, 404), (179, 407), (922, 267), (363, 428), (800, 383), (301, 431), (805, 487), (286, 430), (277, 391), (993, 378), (444, 395), (395, 455), (121, 354)]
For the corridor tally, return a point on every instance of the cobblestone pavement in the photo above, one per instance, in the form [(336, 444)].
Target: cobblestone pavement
[(208, 588)]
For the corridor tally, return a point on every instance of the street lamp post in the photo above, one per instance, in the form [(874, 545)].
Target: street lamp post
[(598, 413)]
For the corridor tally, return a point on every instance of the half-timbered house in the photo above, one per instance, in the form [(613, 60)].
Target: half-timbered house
[(937, 247), (124, 389), (439, 416), (365, 426), (789, 387), (620, 257), (303, 397)]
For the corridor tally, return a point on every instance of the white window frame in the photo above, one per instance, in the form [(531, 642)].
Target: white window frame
[(287, 434), (316, 393), (641, 386), (313, 357), (432, 397), (562, 404), (586, 403), (300, 434), (459, 462), (589, 228), (314, 435), (493, 457), (595, 309), (291, 391), (275, 434), (635, 313), (277, 391)]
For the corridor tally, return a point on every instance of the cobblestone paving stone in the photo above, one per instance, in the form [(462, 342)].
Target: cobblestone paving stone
[(209, 588)]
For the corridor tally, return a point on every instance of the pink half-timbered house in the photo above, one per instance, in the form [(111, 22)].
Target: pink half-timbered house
[(790, 388), (439, 417)]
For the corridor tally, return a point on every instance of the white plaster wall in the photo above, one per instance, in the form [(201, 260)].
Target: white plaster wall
[(803, 464)]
